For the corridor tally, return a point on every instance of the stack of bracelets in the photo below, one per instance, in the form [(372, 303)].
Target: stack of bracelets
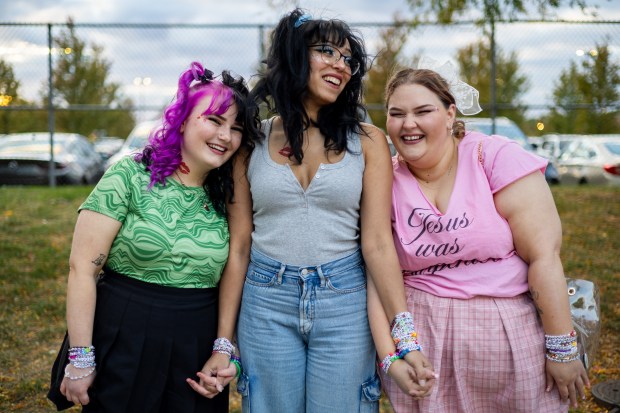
[(224, 346), (405, 338), (562, 349), (82, 358)]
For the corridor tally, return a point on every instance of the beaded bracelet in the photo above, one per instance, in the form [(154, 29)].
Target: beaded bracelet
[(404, 334), (82, 357), (83, 376), (237, 362), (388, 360), (562, 348), (224, 346)]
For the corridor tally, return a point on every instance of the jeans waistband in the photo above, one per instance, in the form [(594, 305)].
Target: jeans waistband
[(322, 271)]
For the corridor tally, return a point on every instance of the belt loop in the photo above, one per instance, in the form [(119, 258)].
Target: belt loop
[(279, 276), (321, 276)]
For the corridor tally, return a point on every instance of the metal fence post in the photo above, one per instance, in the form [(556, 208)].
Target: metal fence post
[(50, 107)]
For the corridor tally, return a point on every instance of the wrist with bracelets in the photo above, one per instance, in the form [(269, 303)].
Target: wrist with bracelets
[(404, 334), (562, 348), (224, 346), (81, 358), (405, 338), (237, 362)]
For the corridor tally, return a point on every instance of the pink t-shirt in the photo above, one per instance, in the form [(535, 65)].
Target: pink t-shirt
[(469, 250)]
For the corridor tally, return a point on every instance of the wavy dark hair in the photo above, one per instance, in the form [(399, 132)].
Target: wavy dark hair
[(283, 85), (162, 156)]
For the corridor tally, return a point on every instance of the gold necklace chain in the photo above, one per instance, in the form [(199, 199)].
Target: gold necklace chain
[(179, 178)]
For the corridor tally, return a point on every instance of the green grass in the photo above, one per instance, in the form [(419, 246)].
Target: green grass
[(36, 227)]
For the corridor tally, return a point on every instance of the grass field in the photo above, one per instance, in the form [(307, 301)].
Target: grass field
[(36, 226)]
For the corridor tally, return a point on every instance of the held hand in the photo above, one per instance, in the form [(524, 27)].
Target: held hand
[(405, 377), (570, 378), (226, 375), (423, 369), (76, 391), (209, 385)]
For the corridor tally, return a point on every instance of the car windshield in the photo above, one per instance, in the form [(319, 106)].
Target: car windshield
[(613, 147), (509, 131), (18, 147)]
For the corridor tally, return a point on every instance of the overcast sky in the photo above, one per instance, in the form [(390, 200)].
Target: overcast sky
[(224, 11), (524, 40)]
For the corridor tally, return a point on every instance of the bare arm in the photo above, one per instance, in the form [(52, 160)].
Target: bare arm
[(215, 373), (376, 226), (528, 206), (240, 225), (92, 239), (386, 291)]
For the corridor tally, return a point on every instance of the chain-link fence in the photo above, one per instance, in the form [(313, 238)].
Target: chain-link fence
[(146, 59)]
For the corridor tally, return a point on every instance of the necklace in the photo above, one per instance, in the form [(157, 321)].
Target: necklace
[(179, 178), (446, 174), (176, 173)]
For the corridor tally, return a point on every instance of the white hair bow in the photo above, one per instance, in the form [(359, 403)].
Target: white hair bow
[(465, 95)]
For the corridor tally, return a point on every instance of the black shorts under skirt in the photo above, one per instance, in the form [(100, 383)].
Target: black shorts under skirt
[(148, 339)]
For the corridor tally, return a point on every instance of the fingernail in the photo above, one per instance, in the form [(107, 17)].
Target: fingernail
[(436, 375), (422, 382)]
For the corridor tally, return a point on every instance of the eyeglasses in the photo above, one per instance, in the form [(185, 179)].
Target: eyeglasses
[(330, 55)]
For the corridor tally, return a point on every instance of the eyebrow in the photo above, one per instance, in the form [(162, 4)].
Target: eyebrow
[(416, 108)]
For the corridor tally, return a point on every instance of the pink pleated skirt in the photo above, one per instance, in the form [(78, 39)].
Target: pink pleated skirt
[(489, 353)]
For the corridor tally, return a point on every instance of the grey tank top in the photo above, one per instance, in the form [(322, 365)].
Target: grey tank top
[(309, 227)]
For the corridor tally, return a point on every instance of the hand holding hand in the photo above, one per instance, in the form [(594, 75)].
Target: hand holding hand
[(425, 375), (209, 384)]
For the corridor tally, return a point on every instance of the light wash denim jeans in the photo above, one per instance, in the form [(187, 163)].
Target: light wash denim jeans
[(304, 338)]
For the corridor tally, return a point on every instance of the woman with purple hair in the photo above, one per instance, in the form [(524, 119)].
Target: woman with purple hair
[(155, 227)]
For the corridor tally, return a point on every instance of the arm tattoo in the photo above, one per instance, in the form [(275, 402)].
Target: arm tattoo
[(535, 296), (99, 260)]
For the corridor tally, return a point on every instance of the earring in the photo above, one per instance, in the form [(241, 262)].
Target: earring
[(183, 168)]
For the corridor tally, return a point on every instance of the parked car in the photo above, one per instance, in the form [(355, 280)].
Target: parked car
[(108, 146), (25, 159), (553, 145), (136, 140), (591, 159), (506, 127)]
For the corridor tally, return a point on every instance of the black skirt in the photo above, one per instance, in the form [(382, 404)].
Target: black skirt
[(148, 339)]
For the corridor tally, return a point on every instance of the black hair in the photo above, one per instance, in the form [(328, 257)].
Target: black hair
[(219, 182), (284, 82)]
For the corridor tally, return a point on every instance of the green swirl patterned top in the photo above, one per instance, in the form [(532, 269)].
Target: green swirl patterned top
[(167, 236)]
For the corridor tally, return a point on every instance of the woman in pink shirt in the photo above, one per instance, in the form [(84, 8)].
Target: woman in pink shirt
[(478, 238)]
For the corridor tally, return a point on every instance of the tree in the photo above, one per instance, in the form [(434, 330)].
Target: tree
[(489, 10), (475, 68), (80, 79), (12, 120), (393, 40), (9, 86), (587, 96)]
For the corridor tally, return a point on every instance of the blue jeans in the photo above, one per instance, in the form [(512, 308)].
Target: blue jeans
[(304, 338)]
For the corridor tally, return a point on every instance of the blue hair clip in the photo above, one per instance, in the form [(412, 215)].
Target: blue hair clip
[(302, 19)]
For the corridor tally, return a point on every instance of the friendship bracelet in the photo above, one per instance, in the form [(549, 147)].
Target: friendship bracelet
[(404, 334), (237, 362), (224, 346), (388, 360), (83, 376), (82, 357), (562, 348)]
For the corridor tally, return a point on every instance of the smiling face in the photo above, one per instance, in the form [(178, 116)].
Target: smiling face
[(326, 81), (419, 125), (209, 140)]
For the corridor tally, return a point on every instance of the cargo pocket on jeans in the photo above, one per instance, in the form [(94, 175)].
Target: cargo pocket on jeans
[(371, 393), (243, 388)]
